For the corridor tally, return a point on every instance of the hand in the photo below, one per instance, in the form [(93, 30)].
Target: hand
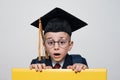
[(39, 67), (77, 67)]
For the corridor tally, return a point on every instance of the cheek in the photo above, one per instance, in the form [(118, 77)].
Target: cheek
[(46, 49), (49, 51), (64, 51)]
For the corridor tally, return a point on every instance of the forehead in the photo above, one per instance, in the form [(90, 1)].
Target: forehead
[(56, 35)]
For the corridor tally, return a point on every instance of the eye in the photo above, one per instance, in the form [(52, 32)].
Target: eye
[(62, 42), (50, 43)]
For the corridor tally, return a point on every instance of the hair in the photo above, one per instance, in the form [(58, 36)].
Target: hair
[(58, 25)]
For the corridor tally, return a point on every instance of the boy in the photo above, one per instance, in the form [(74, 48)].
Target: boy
[(58, 26)]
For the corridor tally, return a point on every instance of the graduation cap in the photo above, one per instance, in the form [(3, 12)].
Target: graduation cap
[(44, 23), (74, 22)]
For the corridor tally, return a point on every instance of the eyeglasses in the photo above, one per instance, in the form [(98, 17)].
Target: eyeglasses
[(63, 43)]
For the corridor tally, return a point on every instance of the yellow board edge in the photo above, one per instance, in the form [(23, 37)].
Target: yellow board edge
[(59, 74)]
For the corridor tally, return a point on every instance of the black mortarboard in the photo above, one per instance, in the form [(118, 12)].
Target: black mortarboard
[(73, 21)]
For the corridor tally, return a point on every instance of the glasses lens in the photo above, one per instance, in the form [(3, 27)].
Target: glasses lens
[(63, 43), (50, 43)]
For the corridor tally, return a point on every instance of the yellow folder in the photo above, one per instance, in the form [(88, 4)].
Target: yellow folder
[(58, 74)]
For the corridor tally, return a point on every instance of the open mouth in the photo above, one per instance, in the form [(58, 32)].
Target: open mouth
[(56, 54)]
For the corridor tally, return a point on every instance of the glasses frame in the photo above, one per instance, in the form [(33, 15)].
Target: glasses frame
[(59, 42)]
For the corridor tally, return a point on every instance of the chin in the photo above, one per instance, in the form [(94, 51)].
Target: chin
[(57, 60)]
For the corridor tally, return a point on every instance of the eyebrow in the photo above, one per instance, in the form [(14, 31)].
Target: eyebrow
[(53, 39), (49, 38)]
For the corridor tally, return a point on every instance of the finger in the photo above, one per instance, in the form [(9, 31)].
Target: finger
[(74, 66), (36, 68), (85, 67), (43, 66), (48, 67), (77, 68), (80, 67), (31, 66), (39, 67), (69, 67)]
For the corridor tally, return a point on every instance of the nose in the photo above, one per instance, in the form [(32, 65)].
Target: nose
[(56, 46)]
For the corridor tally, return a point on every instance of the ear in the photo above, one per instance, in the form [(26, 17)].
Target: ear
[(70, 45)]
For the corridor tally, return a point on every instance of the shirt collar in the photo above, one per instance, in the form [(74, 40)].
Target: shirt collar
[(61, 63)]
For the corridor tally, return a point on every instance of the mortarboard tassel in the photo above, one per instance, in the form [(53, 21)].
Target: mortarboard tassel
[(41, 50)]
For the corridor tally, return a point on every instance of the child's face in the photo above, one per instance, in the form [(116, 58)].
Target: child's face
[(57, 45)]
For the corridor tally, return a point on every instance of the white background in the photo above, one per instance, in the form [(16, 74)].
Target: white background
[(98, 42)]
